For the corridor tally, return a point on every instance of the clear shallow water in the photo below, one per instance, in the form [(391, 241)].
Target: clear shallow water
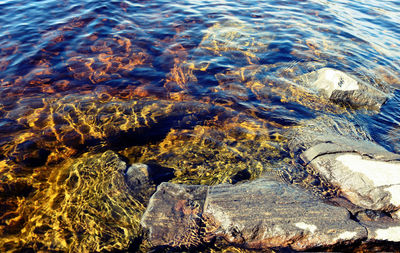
[(205, 88)]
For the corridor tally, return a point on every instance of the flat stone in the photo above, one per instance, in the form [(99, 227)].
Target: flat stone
[(256, 215), (174, 214), (342, 145), (364, 172), (368, 183), (343, 88)]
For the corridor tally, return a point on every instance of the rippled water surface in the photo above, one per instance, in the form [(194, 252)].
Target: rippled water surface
[(203, 88)]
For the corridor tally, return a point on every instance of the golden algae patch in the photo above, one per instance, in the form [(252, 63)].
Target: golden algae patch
[(59, 128), (217, 152), (107, 59), (84, 206)]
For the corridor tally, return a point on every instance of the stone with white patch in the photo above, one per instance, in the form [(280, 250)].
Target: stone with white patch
[(388, 234), (365, 173), (346, 235), (343, 88), (307, 227), (257, 215), (328, 80), (366, 182), (383, 230)]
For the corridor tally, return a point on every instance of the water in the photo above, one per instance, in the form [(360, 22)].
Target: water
[(205, 88)]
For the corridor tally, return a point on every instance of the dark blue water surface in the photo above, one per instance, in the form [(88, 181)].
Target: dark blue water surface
[(79, 76)]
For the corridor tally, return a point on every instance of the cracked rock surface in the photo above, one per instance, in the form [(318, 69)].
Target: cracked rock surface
[(256, 215)]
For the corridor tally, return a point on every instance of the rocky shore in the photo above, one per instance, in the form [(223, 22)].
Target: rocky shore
[(269, 213), (189, 183)]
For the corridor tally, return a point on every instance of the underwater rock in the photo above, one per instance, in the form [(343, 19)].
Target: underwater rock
[(343, 88), (143, 178), (29, 154), (257, 215), (137, 175), (364, 172), (77, 122), (8, 126)]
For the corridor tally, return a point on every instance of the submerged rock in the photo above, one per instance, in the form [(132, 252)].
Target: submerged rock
[(143, 178), (256, 215), (343, 88)]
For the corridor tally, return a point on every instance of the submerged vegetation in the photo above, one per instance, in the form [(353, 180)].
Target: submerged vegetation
[(209, 93)]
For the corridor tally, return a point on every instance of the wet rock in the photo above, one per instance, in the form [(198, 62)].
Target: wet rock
[(343, 88), (382, 229), (369, 183), (256, 215), (364, 172), (143, 178), (137, 175)]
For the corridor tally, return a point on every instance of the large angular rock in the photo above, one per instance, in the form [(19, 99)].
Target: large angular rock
[(364, 172), (369, 183), (343, 88), (256, 215)]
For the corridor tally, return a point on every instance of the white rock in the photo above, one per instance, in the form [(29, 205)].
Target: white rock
[(331, 79), (395, 192), (343, 88)]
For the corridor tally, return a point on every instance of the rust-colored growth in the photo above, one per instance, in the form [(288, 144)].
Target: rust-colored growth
[(4, 54), (107, 59), (209, 226), (62, 85), (187, 207), (181, 75), (4, 63), (388, 75), (141, 91), (126, 93)]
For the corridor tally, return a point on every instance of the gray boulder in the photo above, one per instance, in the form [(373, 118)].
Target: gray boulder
[(369, 183), (256, 215), (343, 88), (364, 172)]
